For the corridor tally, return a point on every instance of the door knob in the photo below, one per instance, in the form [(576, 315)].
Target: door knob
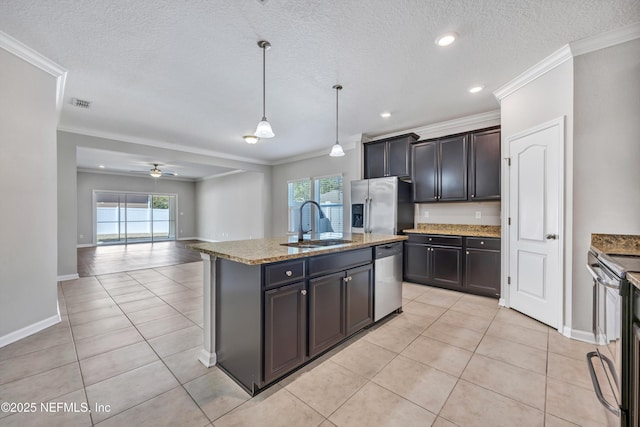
[(551, 236)]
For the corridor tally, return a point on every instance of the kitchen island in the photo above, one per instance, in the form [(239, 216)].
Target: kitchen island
[(273, 304)]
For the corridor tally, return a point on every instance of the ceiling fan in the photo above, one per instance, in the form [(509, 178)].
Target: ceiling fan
[(156, 172)]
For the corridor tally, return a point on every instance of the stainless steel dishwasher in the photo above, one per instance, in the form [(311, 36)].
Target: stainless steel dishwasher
[(388, 280)]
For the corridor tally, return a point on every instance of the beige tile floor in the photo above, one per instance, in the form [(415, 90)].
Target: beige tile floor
[(130, 340)]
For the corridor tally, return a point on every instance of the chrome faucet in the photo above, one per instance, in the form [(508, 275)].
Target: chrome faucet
[(300, 231)]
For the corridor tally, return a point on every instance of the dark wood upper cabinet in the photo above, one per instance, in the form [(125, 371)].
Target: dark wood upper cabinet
[(424, 159), (439, 170), (374, 159), (389, 157), (457, 168), (484, 165), (453, 168)]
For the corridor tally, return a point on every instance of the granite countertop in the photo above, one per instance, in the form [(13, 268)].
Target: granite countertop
[(265, 251), (634, 279), (457, 230), (623, 244)]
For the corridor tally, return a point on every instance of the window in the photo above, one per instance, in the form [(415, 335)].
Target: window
[(327, 191), (123, 218)]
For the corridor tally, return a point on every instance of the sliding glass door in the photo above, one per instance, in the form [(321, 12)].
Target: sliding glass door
[(123, 218)]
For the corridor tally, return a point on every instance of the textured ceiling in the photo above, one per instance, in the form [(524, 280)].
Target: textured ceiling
[(189, 73)]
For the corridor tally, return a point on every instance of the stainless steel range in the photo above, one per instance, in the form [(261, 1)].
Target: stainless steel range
[(612, 327)]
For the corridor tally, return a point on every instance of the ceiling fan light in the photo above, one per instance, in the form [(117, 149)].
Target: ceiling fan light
[(336, 150), (156, 173), (263, 130), (250, 139)]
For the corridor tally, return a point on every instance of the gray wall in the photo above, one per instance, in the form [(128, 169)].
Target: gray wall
[(546, 98), (323, 165), (67, 212), (28, 218), (606, 162), (87, 182), (233, 207)]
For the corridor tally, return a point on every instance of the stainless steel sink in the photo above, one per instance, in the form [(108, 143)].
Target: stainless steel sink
[(316, 243)]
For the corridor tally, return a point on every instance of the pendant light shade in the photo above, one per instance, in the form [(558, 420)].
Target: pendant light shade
[(336, 150), (263, 130)]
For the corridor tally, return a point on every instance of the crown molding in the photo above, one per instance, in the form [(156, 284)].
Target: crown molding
[(445, 127), (160, 144), (346, 147), (547, 64), (38, 60), (141, 174), (569, 51), (220, 175), (604, 40)]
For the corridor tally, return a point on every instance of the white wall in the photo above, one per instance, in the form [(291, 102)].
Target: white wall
[(87, 182), (458, 213), (322, 165), (606, 162), (28, 218), (233, 207)]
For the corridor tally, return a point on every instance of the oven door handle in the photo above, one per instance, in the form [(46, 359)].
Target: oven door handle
[(598, 278), (596, 385)]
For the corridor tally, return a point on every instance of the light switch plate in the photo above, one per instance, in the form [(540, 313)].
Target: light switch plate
[(478, 214), (425, 214)]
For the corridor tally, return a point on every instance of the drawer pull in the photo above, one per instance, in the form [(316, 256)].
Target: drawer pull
[(289, 273), (430, 239), (482, 242), (467, 252)]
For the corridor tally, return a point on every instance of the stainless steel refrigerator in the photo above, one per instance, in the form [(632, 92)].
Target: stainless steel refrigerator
[(381, 206)]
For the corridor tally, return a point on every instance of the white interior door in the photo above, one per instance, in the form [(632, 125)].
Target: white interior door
[(535, 234)]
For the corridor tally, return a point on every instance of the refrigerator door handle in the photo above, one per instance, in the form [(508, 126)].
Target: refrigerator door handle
[(368, 230)]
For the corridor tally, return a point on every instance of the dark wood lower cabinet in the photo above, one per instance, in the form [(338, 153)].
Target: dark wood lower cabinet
[(359, 298), (482, 272), (326, 312), (446, 266), (285, 335), (469, 264)]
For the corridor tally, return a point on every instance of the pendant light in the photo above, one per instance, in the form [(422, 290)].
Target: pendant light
[(264, 128), (336, 150)]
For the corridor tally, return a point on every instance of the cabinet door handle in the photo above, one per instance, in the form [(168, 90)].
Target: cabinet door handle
[(473, 195), (289, 273), (303, 292), (467, 252)]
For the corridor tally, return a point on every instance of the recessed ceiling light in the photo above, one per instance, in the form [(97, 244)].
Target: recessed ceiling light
[(446, 39), (385, 114), (101, 166), (476, 89)]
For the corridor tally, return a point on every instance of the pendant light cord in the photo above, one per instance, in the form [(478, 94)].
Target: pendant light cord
[(337, 90), (264, 81)]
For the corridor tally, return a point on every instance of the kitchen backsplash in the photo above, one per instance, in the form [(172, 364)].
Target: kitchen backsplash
[(458, 213)]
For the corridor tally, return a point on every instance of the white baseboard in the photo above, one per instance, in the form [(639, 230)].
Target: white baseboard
[(206, 240), (66, 277), (188, 238), (29, 330), (578, 335), (85, 245)]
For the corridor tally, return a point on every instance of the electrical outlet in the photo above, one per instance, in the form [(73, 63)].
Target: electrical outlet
[(478, 214), (425, 214), (82, 236)]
